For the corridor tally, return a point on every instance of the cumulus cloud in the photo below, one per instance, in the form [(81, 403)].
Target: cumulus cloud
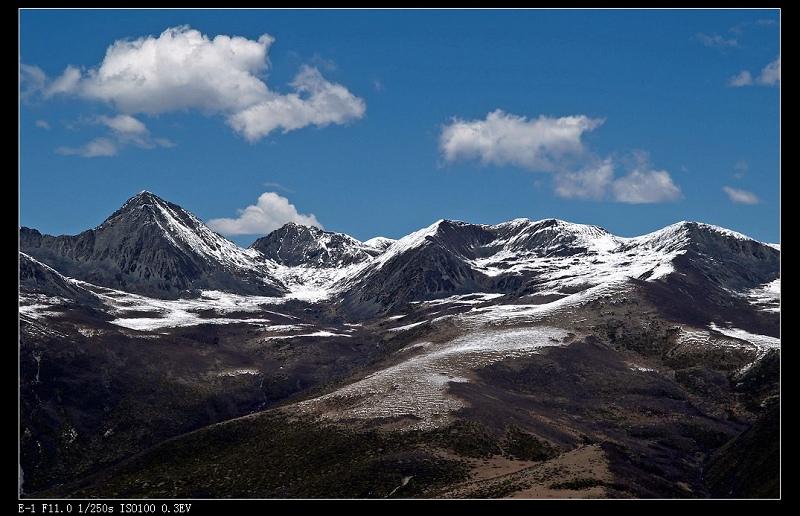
[(69, 82), (646, 186), (593, 182), (317, 102), (641, 184), (770, 76), (738, 196), (270, 213), (506, 139), (554, 145), (184, 70)]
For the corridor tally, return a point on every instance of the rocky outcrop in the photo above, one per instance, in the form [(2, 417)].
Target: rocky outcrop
[(295, 245)]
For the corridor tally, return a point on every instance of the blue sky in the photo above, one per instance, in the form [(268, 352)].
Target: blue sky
[(381, 122)]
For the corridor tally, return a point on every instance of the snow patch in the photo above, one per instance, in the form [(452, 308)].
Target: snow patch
[(762, 342), (417, 388), (238, 372), (407, 326)]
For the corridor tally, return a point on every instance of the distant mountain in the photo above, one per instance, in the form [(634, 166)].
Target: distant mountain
[(295, 245), (434, 261), (728, 259), (715, 274), (553, 258), (153, 247)]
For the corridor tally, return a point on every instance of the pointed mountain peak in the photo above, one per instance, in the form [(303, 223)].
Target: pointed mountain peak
[(144, 197), (156, 247), (142, 203), (145, 194)]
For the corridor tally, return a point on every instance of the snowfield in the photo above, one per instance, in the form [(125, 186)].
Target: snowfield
[(417, 388)]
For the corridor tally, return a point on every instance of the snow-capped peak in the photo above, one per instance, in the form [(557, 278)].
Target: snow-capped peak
[(678, 236)]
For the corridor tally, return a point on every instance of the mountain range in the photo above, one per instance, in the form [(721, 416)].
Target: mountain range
[(540, 359)]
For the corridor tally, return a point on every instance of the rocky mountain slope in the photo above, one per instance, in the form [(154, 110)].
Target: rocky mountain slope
[(538, 359), (152, 247)]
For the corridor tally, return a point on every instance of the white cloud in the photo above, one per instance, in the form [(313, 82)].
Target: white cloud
[(270, 213), (589, 183), (125, 130), (646, 186), (32, 80), (554, 145), (642, 184), (124, 124), (68, 83), (317, 102), (716, 41), (770, 76), (95, 148), (183, 70), (738, 196), (744, 78), (505, 139), (43, 124)]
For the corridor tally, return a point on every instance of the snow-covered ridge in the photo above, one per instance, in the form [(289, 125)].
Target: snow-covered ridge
[(25, 256), (679, 235), (206, 242), (310, 264), (523, 234), (524, 246), (560, 254), (410, 241)]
